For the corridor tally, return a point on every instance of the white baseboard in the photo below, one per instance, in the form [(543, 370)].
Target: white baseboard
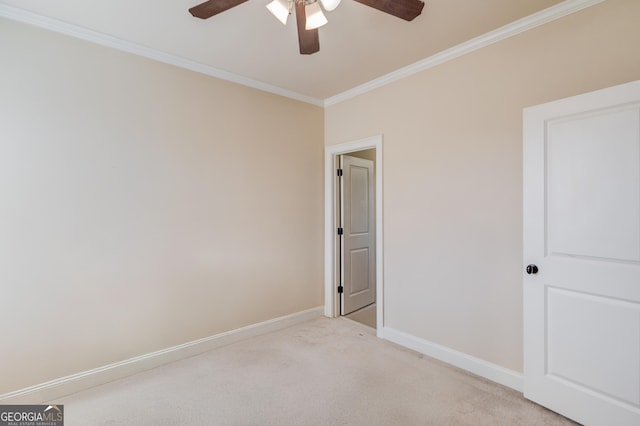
[(52, 390), (474, 365)]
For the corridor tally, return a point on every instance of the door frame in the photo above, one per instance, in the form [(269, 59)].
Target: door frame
[(331, 301)]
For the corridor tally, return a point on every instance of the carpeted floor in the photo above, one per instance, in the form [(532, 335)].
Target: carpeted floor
[(366, 315), (322, 372)]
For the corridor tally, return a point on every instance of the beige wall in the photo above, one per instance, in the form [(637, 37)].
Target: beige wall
[(143, 206), (453, 172), (367, 154)]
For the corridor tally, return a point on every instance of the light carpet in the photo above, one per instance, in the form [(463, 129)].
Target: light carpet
[(322, 372)]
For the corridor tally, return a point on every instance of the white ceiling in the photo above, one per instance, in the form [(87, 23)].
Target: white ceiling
[(358, 44)]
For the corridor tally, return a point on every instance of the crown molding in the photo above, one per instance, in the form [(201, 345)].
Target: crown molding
[(550, 14), (76, 31)]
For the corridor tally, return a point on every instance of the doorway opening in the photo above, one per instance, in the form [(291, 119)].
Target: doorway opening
[(354, 245), (355, 217)]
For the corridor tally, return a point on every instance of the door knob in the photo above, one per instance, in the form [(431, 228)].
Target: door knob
[(532, 269)]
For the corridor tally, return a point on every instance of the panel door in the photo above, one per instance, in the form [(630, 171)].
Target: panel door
[(358, 240), (582, 231)]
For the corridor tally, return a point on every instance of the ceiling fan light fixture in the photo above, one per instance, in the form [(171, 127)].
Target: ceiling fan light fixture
[(315, 17), (329, 5), (309, 16), (280, 9)]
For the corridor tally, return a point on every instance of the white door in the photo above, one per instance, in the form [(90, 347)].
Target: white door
[(358, 240), (582, 231)]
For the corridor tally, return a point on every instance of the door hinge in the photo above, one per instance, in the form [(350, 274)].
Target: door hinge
[(340, 289), (340, 231), (339, 172)]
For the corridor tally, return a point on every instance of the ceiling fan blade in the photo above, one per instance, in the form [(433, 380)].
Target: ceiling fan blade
[(213, 7), (404, 9), (307, 39)]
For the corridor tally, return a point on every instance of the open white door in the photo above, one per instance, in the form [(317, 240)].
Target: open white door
[(358, 239), (582, 231)]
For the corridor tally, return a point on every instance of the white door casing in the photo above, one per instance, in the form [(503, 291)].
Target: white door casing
[(358, 241), (331, 299), (582, 230)]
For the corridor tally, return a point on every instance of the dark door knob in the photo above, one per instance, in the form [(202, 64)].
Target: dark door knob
[(532, 269)]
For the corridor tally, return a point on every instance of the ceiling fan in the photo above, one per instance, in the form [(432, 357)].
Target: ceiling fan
[(309, 16)]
